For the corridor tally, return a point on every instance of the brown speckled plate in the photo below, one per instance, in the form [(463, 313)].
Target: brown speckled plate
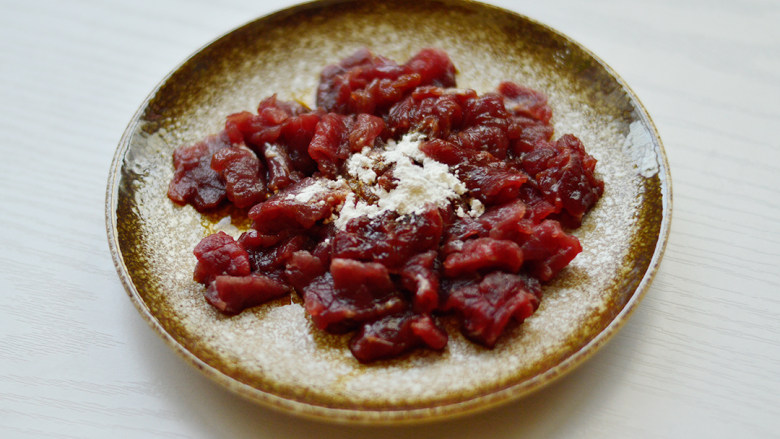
[(272, 354)]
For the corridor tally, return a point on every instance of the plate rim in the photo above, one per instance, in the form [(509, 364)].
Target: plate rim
[(401, 416)]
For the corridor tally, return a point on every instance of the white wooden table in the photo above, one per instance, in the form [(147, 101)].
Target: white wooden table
[(699, 358)]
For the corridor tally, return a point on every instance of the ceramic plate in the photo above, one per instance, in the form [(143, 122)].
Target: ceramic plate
[(272, 354)]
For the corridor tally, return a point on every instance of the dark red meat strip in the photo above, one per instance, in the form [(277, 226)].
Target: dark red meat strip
[(297, 133)]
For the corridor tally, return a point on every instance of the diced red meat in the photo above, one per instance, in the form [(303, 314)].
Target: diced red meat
[(504, 221), (469, 121), (385, 274), (341, 310), (194, 182), (239, 126), (491, 183), (302, 268), (338, 82), (324, 248), (366, 83), (364, 132), (388, 238), (393, 335), (539, 158), (253, 129), (297, 133), (276, 111), (280, 133), (420, 277), (477, 255), (485, 125), (447, 152), (233, 294), (524, 101), (360, 278), (462, 228), (328, 147), (243, 175), (219, 254), (486, 306), (336, 136), (484, 110), (493, 139), (549, 249), (272, 258), (284, 211), (264, 127), (252, 239), (381, 93), (488, 179), (524, 133), (429, 110), (537, 206), (565, 175), (434, 67)]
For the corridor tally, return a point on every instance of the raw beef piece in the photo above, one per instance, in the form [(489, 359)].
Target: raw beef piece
[(485, 306), (243, 174), (351, 293), (219, 254), (233, 294), (194, 182), (393, 335), (299, 207)]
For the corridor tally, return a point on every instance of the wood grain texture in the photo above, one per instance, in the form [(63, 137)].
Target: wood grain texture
[(700, 357)]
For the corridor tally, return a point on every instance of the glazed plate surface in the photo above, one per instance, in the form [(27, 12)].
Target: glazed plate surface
[(272, 354)]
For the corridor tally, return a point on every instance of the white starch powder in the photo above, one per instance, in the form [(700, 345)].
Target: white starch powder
[(419, 180)]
